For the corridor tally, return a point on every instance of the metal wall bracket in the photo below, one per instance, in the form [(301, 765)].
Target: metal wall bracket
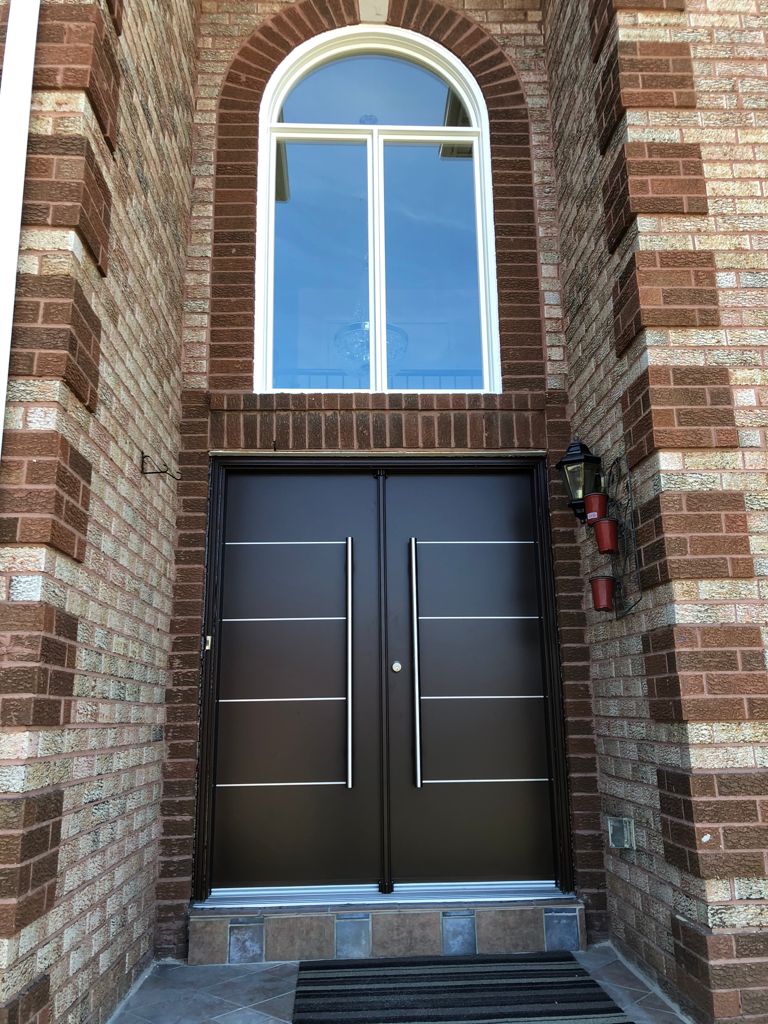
[(625, 565), (151, 468)]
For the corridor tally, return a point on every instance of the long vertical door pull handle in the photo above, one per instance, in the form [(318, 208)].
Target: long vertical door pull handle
[(416, 679), (349, 663)]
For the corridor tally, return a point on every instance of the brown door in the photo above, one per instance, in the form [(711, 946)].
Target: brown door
[(381, 710)]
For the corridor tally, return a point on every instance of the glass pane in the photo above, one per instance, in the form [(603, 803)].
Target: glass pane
[(373, 89), (320, 332), (434, 339)]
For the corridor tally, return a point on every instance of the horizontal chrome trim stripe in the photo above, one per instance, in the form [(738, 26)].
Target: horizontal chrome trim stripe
[(474, 618), (491, 696), (273, 700), (321, 618), (442, 782), (421, 542), (277, 543), (407, 893), (258, 785)]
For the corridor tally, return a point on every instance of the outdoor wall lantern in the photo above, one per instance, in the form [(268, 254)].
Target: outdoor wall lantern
[(582, 475)]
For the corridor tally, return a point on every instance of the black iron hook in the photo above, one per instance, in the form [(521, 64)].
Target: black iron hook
[(158, 470)]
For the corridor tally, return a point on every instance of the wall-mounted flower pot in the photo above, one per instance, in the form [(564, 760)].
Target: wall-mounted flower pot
[(596, 507), (602, 592), (607, 536)]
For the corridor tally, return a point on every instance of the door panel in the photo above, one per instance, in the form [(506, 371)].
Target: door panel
[(306, 579), (506, 835), (283, 814), (451, 830), (505, 654), (476, 579), (276, 742), (476, 738), (283, 659), (299, 835)]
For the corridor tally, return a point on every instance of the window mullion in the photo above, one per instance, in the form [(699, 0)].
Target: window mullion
[(379, 266)]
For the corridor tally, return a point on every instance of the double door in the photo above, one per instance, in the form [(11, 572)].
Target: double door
[(381, 705)]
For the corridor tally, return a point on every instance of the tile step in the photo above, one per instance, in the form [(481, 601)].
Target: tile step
[(258, 935)]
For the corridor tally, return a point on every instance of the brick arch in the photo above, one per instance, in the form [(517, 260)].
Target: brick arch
[(232, 307)]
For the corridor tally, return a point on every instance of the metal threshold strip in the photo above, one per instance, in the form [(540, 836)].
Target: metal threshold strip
[(407, 893)]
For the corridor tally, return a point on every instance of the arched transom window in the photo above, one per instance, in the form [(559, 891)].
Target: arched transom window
[(375, 258)]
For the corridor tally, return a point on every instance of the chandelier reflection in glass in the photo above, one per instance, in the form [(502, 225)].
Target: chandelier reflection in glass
[(353, 344)]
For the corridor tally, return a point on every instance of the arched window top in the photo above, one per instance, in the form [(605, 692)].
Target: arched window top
[(375, 246), (401, 55), (374, 88)]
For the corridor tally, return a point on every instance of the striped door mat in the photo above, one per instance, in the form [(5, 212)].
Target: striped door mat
[(452, 990)]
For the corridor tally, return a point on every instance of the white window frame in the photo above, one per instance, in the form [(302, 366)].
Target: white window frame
[(383, 39)]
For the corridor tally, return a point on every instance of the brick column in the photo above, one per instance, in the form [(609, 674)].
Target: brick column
[(85, 539), (666, 291)]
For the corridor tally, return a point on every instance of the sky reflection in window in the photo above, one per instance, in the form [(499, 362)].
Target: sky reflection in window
[(431, 269), (373, 89), (321, 266)]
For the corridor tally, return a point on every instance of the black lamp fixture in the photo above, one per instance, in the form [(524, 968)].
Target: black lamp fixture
[(582, 474)]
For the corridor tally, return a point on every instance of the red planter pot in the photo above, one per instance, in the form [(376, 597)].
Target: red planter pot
[(603, 588), (596, 507), (607, 536)]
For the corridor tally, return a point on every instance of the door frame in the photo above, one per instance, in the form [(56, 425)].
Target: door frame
[(218, 468)]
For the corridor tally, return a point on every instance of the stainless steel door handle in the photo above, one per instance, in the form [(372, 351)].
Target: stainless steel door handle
[(416, 680)]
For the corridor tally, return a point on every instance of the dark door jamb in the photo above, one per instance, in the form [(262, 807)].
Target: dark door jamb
[(219, 465)]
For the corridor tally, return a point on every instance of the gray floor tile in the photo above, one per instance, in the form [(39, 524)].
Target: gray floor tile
[(596, 956), (643, 1007), (194, 1007), (618, 975), (641, 1016), (626, 998), (165, 985), (242, 1016), (207, 977), (255, 987), (656, 1008), (281, 1007), (154, 992), (654, 1002)]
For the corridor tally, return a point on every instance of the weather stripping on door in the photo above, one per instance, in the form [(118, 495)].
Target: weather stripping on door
[(404, 893)]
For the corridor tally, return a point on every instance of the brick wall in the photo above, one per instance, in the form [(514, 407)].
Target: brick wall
[(31, 1005), (650, 177), (86, 542)]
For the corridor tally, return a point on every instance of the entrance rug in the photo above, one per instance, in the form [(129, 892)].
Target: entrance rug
[(452, 990)]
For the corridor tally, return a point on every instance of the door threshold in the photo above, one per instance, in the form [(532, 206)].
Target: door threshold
[(369, 895)]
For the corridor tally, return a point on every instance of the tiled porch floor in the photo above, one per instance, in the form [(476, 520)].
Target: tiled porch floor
[(263, 993)]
